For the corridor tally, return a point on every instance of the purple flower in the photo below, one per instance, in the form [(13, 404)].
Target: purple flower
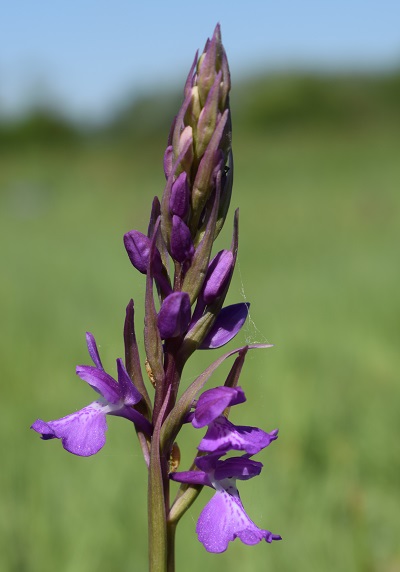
[(223, 518), (222, 435), (212, 403), (84, 432)]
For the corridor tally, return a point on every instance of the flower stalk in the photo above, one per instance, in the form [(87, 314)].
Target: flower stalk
[(186, 287)]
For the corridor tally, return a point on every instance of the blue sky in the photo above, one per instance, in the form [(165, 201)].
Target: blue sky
[(88, 54)]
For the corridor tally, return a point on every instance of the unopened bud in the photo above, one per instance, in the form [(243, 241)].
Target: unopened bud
[(218, 273), (180, 196), (182, 248), (174, 316)]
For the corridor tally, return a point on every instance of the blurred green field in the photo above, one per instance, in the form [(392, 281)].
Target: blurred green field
[(319, 262)]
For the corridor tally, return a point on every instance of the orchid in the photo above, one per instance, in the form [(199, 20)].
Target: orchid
[(186, 286), (84, 432), (222, 435), (223, 518)]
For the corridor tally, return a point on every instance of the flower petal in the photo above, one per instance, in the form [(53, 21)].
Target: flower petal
[(237, 467), (212, 403), (227, 324), (141, 423), (191, 477), (223, 519), (130, 394), (82, 433), (93, 351), (101, 382), (222, 435)]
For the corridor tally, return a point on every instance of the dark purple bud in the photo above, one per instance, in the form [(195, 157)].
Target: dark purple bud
[(227, 324), (174, 316), (137, 246), (180, 196), (218, 273), (182, 248)]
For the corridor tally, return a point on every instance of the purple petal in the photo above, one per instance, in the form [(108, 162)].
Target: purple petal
[(223, 519), (182, 248), (180, 196), (213, 402), (222, 435), (237, 467), (227, 324), (137, 246), (93, 351), (101, 382), (217, 275), (174, 316), (130, 394), (191, 477), (208, 463), (82, 433)]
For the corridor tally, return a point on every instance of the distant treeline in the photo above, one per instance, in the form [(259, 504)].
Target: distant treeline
[(265, 103)]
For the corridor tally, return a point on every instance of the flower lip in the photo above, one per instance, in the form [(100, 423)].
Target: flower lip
[(223, 436)]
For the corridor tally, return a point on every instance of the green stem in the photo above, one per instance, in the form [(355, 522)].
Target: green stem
[(157, 499), (171, 528), (157, 516)]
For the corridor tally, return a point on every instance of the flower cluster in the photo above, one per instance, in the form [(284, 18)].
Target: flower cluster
[(186, 288), (224, 518)]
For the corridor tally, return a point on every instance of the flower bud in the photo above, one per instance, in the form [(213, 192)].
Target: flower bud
[(180, 196), (182, 248), (218, 273), (137, 246), (174, 316)]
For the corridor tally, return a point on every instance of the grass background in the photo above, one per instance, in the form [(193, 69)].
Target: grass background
[(318, 193)]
